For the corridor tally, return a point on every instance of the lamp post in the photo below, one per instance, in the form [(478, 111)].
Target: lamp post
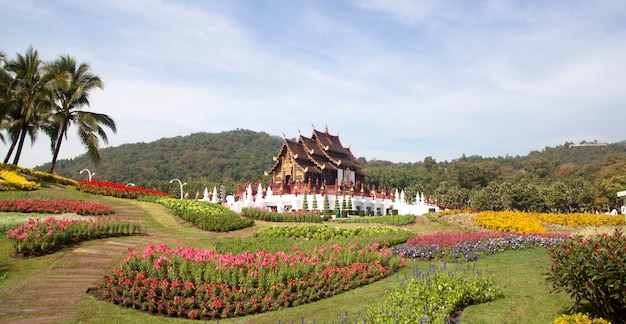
[(130, 184), (181, 186), (88, 172)]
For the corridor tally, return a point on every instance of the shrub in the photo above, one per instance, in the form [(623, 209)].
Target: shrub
[(268, 216), (388, 220), (208, 216), (579, 318), (592, 270), (11, 180), (433, 296)]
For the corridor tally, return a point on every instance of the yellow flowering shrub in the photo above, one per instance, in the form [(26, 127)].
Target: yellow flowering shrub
[(579, 318), (580, 219), (510, 221), (454, 211), (12, 180)]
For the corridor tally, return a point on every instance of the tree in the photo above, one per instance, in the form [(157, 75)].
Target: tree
[(27, 99), (70, 98)]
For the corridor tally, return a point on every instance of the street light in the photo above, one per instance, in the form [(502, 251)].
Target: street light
[(88, 172), (181, 186), (130, 184)]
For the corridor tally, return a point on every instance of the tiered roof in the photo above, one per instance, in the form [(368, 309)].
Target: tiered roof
[(322, 151)]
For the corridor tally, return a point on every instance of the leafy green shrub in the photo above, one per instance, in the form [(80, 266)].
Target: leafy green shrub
[(208, 216), (398, 220), (392, 236), (592, 270), (302, 217), (432, 296), (579, 318)]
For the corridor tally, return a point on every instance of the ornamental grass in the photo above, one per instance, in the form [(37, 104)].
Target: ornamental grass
[(203, 284), (50, 235)]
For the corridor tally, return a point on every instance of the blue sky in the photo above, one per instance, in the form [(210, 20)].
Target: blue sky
[(398, 80)]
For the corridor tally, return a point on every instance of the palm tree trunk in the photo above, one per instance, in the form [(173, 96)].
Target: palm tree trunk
[(57, 147), (16, 159), (10, 152)]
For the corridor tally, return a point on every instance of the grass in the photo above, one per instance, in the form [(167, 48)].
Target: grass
[(527, 294)]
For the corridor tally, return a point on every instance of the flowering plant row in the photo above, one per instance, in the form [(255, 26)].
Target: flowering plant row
[(433, 296), (268, 216), (471, 246), (117, 190), (397, 220), (581, 219), (54, 207), (203, 284), (11, 180), (208, 216), (37, 176), (325, 233), (522, 222), (38, 238), (510, 221)]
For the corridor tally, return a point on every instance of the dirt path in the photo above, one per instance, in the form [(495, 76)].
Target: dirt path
[(53, 295)]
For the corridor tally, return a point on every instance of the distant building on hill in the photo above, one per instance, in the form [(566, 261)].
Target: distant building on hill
[(594, 143)]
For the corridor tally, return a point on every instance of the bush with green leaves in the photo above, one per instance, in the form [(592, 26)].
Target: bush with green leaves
[(398, 220), (433, 296), (325, 233), (592, 270), (268, 216), (209, 216)]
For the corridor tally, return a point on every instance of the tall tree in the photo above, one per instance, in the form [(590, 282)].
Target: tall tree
[(70, 99), (28, 98)]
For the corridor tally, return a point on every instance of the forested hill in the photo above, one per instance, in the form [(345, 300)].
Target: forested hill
[(235, 157), (211, 158)]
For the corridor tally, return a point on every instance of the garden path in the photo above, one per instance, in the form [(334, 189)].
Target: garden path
[(53, 296)]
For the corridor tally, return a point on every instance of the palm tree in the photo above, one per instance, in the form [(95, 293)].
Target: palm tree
[(27, 99), (70, 98)]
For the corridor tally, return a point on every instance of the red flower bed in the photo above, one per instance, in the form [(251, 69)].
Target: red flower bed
[(203, 284), (117, 190), (54, 207)]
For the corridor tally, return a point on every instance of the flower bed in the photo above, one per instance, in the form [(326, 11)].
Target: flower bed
[(391, 235), (510, 221), (38, 238), (203, 284), (433, 296), (11, 180), (258, 214), (397, 220), (117, 190), (54, 207), (471, 246), (208, 216), (521, 222)]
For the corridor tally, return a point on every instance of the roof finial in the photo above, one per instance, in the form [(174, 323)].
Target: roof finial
[(313, 126), (284, 136), (326, 129)]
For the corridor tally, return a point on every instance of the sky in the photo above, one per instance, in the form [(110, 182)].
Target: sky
[(397, 80)]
